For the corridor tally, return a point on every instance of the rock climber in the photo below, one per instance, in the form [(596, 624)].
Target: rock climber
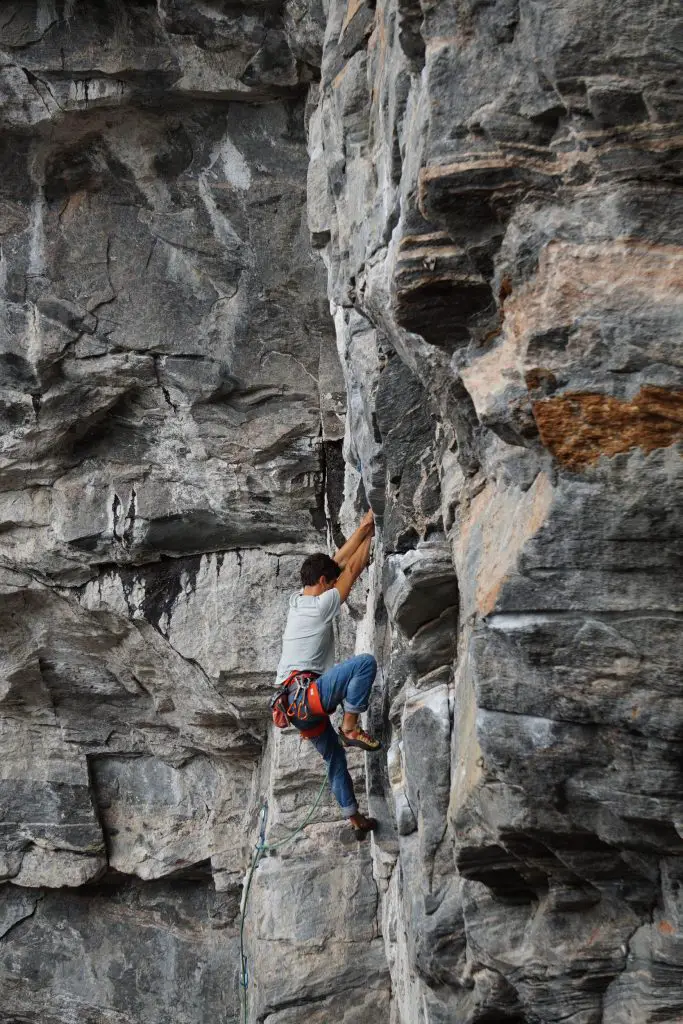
[(313, 686)]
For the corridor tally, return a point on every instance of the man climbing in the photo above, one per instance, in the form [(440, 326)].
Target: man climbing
[(315, 686)]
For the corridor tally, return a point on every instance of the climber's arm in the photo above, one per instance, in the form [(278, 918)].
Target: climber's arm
[(354, 567), (366, 529)]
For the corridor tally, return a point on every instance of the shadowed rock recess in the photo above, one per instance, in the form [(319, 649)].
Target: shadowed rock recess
[(261, 264)]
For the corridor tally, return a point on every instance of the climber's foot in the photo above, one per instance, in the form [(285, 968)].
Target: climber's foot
[(362, 826), (357, 737)]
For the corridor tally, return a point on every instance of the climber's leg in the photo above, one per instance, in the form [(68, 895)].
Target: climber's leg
[(329, 747), (349, 684)]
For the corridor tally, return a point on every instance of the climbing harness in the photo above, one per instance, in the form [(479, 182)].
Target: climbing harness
[(263, 847), (297, 702)]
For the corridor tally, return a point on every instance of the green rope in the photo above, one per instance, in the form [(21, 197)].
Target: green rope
[(263, 847)]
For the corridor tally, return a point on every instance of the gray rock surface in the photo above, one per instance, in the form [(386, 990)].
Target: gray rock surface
[(494, 190), (172, 416), (262, 265)]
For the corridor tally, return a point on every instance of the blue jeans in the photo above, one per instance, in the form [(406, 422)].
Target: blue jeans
[(348, 684)]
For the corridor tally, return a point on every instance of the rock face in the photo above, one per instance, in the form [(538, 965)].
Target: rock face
[(263, 265)]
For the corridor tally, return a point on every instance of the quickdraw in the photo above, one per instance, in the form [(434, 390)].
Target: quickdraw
[(297, 703)]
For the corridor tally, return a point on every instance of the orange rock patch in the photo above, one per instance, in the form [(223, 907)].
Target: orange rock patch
[(578, 427), (505, 521), (352, 9)]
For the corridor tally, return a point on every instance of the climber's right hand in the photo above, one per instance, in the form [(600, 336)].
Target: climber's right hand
[(368, 522)]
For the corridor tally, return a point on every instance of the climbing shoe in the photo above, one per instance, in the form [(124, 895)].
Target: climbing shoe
[(359, 738), (362, 826)]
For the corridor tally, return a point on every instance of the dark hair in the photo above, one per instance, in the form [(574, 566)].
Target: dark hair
[(316, 566)]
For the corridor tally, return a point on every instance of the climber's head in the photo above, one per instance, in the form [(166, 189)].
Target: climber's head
[(319, 571)]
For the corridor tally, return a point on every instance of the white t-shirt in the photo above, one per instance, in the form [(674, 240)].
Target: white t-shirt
[(308, 640)]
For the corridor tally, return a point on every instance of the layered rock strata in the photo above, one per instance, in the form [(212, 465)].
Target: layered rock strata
[(492, 215), (172, 413), (496, 191)]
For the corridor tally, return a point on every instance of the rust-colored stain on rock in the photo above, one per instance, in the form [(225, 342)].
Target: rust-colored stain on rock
[(505, 290), (578, 427), (501, 523), (352, 9)]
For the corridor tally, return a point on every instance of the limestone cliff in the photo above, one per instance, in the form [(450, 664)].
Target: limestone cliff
[(263, 264)]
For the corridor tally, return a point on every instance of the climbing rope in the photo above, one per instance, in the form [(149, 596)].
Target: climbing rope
[(263, 847)]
